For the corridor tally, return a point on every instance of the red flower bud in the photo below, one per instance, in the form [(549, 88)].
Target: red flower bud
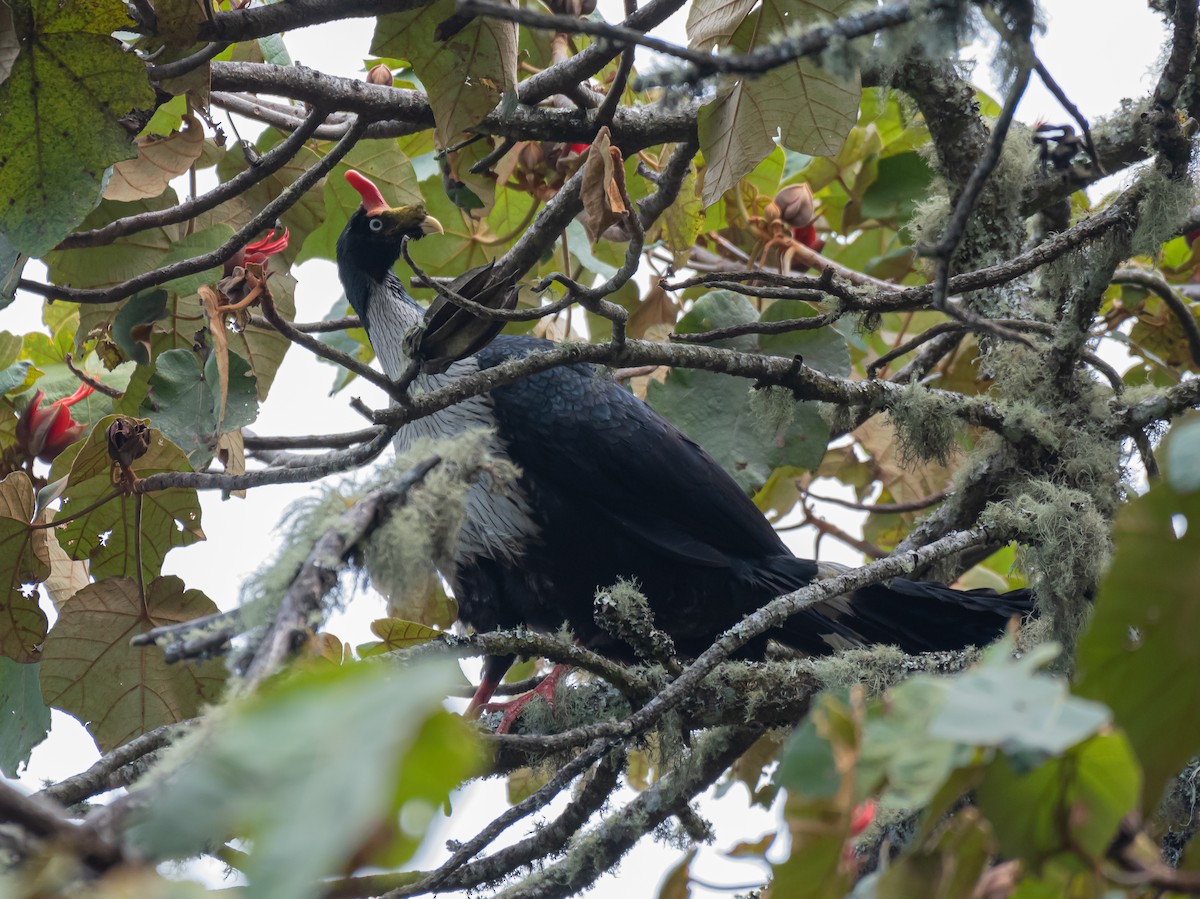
[(45, 432), (259, 251), (808, 236)]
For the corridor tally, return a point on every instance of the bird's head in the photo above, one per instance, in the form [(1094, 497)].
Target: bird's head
[(370, 243)]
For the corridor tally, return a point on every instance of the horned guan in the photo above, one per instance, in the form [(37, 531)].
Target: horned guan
[(609, 490)]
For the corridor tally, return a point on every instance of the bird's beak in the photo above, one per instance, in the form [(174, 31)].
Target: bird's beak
[(430, 225)]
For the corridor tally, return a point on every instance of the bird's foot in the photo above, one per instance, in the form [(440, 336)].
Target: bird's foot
[(513, 709)]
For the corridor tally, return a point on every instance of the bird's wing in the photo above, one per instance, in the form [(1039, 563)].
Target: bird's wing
[(595, 443)]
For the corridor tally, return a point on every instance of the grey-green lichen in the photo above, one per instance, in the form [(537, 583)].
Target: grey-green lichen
[(1165, 205), (773, 409), (421, 533), (876, 668), (301, 526), (1064, 547), (623, 611), (936, 30), (925, 423)]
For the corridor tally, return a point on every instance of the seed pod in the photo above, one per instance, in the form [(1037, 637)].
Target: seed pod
[(796, 205), (128, 440), (380, 74)]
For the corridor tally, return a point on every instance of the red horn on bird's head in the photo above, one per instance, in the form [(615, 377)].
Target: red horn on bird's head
[(372, 199)]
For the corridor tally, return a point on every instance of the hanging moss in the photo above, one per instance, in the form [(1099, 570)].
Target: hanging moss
[(302, 524), (925, 424), (1164, 207), (1064, 548), (773, 408), (421, 533)]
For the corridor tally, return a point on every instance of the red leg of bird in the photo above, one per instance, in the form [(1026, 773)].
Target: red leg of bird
[(487, 688), (512, 709)]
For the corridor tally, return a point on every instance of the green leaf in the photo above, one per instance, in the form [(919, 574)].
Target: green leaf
[(812, 110), (274, 50), (1138, 656), (902, 183), (363, 745), (119, 691), (24, 559), (25, 718), (61, 106), (122, 259), (1182, 458), (465, 75), (714, 409), (821, 348), (901, 749), (198, 244), (1067, 804), (129, 330), (15, 377), (806, 763), (1007, 703), (109, 535), (183, 401), (684, 218), (395, 633), (12, 264)]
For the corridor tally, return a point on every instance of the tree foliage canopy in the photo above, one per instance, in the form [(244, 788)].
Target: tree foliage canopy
[(804, 237)]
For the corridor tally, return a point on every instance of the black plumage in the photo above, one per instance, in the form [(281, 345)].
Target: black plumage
[(610, 490)]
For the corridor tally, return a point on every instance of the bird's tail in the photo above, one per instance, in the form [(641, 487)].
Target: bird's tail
[(917, 616)]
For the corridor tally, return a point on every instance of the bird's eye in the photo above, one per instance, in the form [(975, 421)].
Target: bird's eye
[(375, 224)]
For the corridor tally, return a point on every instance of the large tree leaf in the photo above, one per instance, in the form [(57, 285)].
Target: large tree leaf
[(24, 560), (812, 110), (1137, 655), (12, 265), (363, 745), (264, 348), (109, 535), (712, 23), (24, 715), (1069, 804), (159, 159), (124, 258), (463, 76), (184, 401), (715, 411), (61, 106), (119, 691)]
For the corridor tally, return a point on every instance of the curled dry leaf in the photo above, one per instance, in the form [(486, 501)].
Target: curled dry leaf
[(159, 160), (603, 187)]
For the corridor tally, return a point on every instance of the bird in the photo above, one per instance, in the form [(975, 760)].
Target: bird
[(608, 490)]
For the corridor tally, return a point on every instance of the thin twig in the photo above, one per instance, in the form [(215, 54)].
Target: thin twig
[(98, 386)]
